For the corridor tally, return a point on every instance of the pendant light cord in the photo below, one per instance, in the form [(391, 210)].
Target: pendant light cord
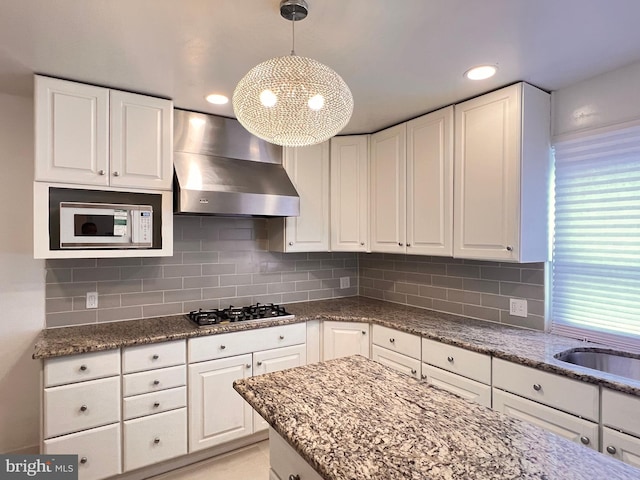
[(293, 36)]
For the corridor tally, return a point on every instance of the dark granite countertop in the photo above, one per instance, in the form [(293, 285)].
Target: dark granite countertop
[(354, 419), (526, 347)]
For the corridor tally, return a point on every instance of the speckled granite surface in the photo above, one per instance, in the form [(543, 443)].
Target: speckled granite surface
[(354, 419), (527, 347)]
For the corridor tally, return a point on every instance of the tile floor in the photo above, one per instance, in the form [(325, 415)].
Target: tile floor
[(248, 463)]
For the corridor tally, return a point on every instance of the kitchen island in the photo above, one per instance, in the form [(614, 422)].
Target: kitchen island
[(354, 419)]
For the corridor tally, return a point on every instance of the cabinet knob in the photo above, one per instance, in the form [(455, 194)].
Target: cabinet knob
[(83, 368), (585, 440), (84, 408), (450, 359), (537, 387), (363, 332), (156, 382), (101, 172), (611, 449), (413, 371), (392, 340), (156, 404), (222, 347), (84, 460), (509, 248), (408, 244), (400, 244), (281, 337), (156, 440), (258, 363), (290, 243), (294, 477), (155, 356), (362, 244), (116, 174), (248, 365), (424, 377)]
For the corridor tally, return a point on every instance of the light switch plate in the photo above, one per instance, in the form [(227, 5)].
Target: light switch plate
[(518, 307), (92, 299)]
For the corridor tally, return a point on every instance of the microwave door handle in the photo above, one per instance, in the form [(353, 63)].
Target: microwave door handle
[(135, 226)]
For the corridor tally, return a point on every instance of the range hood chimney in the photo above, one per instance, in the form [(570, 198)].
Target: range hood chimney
[(222, 169)]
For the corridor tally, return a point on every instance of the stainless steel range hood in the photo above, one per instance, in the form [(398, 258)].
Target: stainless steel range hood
[(221, 169)]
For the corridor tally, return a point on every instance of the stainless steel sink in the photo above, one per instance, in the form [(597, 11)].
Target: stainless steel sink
[(609, 361)]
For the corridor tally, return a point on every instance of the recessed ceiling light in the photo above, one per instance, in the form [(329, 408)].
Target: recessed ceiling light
[(217, 99), (481, 72)]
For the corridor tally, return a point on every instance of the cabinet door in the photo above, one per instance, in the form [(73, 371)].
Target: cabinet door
[(397, 361), (308, 168), (273, 361), (430, 184), (141, 141), (342, 339), (217, 414), (621, 446), (72, 132), (350, 193), (572, 428), (487, 175), (387, 190)]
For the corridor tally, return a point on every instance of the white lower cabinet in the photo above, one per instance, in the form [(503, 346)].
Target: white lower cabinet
[(217, 414), (461, 386), (98, 450), (621, 426), (274, 361), (621, 446), (399, 362), (286, 463), (342, 339), (568, 426)]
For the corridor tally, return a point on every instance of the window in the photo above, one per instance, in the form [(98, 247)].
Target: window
[(595, 291)]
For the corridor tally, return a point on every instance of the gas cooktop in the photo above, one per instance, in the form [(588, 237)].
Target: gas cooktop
[(205, 317)]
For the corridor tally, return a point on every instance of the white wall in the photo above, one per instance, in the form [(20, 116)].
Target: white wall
[(21, 281), (610, 98)]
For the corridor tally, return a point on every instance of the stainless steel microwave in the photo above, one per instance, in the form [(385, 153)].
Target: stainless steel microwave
[(104, 225)]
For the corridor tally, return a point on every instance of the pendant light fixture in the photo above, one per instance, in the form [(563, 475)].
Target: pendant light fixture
[(293, 101)]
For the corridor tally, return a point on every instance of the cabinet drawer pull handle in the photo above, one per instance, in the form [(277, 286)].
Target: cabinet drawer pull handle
[(294, 477), (156, 404), (584, 440), (84, 460), (101, 172), (392, 340), (537, 387), (509, 248), (156, 440), (155, 356), (84, 408), (259, 363), (83, 368), (281, 337), (116, 174), (611, 449), (222, 347), (450, 359), (156, 382), (414, 371)]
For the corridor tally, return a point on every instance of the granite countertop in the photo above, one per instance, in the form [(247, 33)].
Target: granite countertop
[(354, 419), (527, 347)]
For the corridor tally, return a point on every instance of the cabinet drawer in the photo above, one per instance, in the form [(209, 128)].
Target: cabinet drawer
[(155, 355), (572, 428), (78, 368), (155, 402), (154, 380), (474, 365), (461, 386), (621, 411), (238, 343), (98, 451), (397, 341), (79, 406), (149, 440), (286, 462), (397, 361), (621, 446), (566, 394)]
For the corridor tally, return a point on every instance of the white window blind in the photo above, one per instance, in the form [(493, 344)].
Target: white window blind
[(595, 291)]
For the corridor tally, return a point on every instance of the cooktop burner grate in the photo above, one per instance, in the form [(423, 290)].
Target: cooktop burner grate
[(204, 317)]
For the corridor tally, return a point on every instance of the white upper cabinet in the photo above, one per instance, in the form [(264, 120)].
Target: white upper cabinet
[(412, 186), (502, 164), (91, 135), (350, 193), (388, 190), (308, 168), (430, 184), (141, 141)]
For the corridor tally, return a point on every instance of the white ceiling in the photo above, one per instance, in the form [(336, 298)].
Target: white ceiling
[(401, 58)]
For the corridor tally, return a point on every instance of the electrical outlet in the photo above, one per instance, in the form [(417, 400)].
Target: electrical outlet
[(92, 299), (345, 282), (518, 307)]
